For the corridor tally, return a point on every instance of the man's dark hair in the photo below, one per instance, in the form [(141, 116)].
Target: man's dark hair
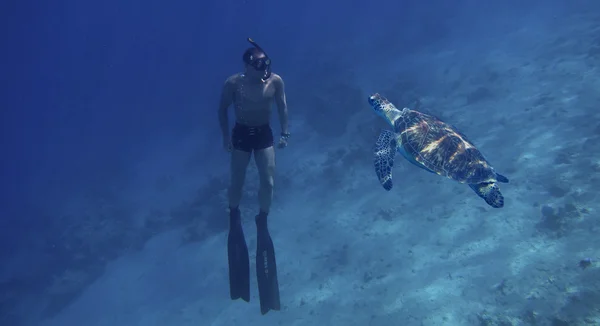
[(253, 53)]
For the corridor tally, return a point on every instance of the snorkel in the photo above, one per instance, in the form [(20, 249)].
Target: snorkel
[(259, 63)]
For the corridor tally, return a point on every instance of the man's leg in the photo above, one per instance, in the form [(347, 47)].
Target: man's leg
[(266, 267), (265, 163), (239, 165), (237, 250)]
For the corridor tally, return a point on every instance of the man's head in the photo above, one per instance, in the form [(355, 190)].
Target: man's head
[(257, 63)]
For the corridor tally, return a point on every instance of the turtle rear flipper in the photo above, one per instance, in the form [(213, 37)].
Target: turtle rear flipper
[(501, 178), (490, 192), (385, 150)]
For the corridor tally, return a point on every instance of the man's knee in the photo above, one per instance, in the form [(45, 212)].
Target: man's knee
[(237, 180), (265, 161), (268, 177), (267, 183), (239, 165)]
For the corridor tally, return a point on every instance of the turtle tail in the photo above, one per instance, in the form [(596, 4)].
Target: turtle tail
[(490, 192)]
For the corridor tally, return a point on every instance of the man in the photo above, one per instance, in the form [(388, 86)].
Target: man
[(252, 94)]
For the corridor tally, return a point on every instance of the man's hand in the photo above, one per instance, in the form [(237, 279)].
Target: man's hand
[(283, 142)]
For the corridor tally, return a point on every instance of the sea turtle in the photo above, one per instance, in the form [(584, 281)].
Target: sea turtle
[(435, 146)]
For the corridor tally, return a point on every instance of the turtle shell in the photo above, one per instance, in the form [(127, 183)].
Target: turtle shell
[(441, 148)]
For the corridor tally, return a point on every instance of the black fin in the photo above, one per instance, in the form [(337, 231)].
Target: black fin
[(239, 260), (266, 267)]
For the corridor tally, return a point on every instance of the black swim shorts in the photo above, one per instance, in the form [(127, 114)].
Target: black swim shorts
[(251, 138)]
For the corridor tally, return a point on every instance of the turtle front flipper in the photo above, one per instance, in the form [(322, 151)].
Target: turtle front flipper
[(385, 150), (490, 192)]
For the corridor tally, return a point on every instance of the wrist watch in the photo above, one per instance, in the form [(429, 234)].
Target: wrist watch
[(285, 135)]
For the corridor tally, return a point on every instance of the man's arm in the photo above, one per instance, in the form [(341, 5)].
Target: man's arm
[(281, 105), (226, 100)]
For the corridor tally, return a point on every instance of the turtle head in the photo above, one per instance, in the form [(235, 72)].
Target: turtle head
[(384, 108)]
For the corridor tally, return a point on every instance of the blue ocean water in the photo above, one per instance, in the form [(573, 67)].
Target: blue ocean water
[(114, 179)]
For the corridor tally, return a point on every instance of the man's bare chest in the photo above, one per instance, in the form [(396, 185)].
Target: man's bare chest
[(255, 92)]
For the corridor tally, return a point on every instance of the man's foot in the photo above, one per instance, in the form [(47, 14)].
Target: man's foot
[(239, 262), (266, 267)]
